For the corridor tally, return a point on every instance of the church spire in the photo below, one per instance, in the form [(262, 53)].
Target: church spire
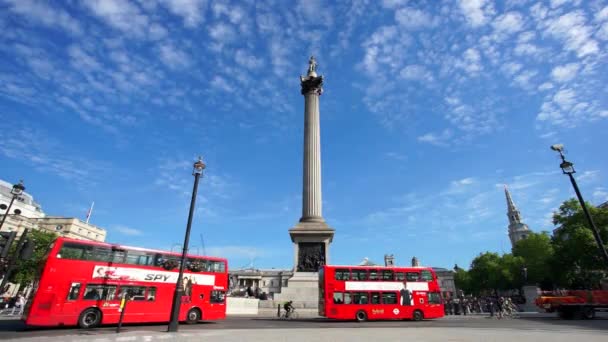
[(512, 212), (517, 229)]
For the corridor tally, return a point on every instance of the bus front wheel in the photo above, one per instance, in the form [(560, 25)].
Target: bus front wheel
[(194, 315), (89, 318), (361, 316), (418, 316)]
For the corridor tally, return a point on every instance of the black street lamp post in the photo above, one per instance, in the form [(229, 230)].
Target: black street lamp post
[(15, 191), (568, 169), (199, 166)]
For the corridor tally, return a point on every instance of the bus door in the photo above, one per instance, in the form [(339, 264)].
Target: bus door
[(72, 304)]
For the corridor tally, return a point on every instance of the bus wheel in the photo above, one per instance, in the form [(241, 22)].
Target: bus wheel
[(89, 318), (588, 313), (361, 316), (194, 315), (418, 316)]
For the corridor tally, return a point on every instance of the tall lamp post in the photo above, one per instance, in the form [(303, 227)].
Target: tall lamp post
[(568, 169), (199, 166), (15, 191)]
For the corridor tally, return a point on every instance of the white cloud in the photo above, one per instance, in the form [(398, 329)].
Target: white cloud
[(565, 98), (121, 15), (477, 12), (572, 29), (600, 195), (40, 12), (471, 62), (192, 11), (565, 73), (508, 23), (412, 18), (222, 32), (173, 57), (81, 60), (440, 139), (127, 230), (243, 58), (545, 86), (417, 73), (511, 68), (219, 82)]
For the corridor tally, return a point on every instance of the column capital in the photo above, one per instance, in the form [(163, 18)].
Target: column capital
[(312, 84)]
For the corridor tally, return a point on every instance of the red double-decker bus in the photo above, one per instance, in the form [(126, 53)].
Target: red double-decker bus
[(82, 282), (379, 293)]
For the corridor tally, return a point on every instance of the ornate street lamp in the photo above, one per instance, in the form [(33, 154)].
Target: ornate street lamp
[(568, 169), (199, 166), (16, 191)]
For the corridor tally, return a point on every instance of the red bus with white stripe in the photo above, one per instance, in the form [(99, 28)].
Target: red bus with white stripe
[(82, 282), (379, 293)]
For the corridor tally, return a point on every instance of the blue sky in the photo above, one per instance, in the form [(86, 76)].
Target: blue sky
[(429, 107)]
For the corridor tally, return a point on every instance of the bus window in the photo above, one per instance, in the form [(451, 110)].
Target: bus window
[(118, 256), (375, 296), (134, 292), (99, 292), (427, 275), (139, 258), (412, 276), (217, 296), (74, 251), (400, 276), (99, 254), (434, 298), (342, 274), (359, 275), (338, 298), (360, 297), (347, 299), (151, 293), (218, 266), (74, 291), (387, 275), (373, 275), (389, 298)]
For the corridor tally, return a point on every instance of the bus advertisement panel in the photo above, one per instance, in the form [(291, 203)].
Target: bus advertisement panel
[(379, 293), (82, 283)]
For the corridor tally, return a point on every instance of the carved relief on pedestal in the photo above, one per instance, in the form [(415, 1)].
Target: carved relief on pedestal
[(311, 256)]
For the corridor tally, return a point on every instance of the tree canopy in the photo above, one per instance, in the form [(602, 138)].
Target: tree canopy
[(26, 269)]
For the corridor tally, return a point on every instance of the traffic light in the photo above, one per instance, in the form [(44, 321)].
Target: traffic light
[(6, 240)]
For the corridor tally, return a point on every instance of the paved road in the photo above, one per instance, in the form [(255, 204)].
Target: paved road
[(530, 327)]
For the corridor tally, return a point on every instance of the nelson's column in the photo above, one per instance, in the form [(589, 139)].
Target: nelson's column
[(311, 236)]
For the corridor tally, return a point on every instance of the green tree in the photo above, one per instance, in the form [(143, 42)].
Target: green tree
[(578, 262), (537, 253), (491, 272), (463, 281), (26, 270)]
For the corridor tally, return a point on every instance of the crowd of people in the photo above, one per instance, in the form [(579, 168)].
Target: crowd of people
[(12, 305), (498, 307)]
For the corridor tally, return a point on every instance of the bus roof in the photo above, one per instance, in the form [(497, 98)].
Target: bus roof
[(117, 246)]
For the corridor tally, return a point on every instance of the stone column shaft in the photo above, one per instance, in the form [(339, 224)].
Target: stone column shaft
[(311, 192)]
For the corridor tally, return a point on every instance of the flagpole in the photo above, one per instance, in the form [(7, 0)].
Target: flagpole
[(89, 213)]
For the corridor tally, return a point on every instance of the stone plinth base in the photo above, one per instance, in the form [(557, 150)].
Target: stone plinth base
[(241, 306), (302, 289), (531, 292)]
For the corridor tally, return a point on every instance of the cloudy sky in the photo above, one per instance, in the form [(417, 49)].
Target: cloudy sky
[(429, 108)]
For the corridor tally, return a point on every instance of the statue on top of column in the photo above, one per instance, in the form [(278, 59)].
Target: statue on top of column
[(312, 65)]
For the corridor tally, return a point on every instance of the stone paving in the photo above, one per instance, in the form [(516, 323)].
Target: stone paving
[(339, 334)]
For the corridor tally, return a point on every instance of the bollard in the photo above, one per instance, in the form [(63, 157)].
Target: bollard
[(278, 310), (122, 308)]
